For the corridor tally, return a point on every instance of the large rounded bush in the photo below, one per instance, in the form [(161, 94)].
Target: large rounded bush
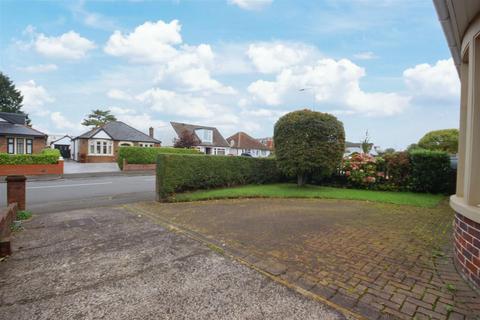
[(308, 142), (440, 140)]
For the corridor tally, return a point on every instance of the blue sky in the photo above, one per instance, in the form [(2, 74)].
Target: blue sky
[(381, 66)]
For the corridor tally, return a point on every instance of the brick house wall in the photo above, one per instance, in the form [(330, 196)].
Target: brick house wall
[(467, 248), (84, 157), (39, 143)]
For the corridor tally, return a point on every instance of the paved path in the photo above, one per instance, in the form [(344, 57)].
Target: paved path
[(67, 194), (377, 260), (107, 263)]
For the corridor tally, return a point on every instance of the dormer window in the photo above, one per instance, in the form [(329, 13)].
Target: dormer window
[(205, 135)]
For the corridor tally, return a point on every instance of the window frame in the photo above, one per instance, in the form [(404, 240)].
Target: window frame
[(100, 147)]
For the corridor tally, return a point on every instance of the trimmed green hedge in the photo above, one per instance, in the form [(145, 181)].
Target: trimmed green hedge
[(47, 156), (177, 172), (431, 172), (140, 155)]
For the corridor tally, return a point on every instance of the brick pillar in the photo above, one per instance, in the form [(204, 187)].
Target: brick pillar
[(16, 190)]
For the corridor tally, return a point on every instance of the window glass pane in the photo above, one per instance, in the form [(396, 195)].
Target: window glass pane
[(99, 147), (109, 148), (104, 147), (29, 146), (92, 147), (20, 146), (11, 146)]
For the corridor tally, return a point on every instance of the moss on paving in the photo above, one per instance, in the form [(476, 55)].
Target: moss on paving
[(287, 190)]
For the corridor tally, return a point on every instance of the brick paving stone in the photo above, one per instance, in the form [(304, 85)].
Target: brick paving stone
[(359, 254)]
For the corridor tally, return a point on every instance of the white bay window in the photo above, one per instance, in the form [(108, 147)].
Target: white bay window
[(100, 147)]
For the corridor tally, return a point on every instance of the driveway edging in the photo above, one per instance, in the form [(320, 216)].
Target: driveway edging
[(245, 259)]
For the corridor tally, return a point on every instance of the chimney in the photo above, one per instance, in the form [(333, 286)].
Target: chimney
[(150, 132)]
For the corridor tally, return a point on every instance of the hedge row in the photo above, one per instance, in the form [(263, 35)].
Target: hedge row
[(176, 173), (140, 155), (47, 156), (418, 170)]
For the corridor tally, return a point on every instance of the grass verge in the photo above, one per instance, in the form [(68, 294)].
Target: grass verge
[(287, 190)]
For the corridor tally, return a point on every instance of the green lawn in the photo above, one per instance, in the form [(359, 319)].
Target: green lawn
[(287, 190)]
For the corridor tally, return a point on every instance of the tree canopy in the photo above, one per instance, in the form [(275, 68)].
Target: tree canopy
[(186, 140), (11, 100), (440, 140), (308, 142), (98, 118)]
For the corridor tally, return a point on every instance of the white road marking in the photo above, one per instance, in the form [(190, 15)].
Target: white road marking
[(71, 185)]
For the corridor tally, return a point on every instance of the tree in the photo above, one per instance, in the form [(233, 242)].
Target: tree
[(186, 140), (440, 140), (11, 100), (366, 145), (98, 118), (389, 150), (412, 147), (308, 142)]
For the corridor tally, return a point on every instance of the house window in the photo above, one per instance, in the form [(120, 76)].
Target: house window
[(20, 146), (219, 151), (100, 147), (11, 145), (205, 135), (29, 144), (146, 145)]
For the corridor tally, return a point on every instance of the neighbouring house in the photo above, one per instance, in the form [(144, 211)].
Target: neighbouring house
[(63, 144), (101, 144), (207, 139), (353, 147), (268, 142), (18, 138), (241, 143), (460, 20)]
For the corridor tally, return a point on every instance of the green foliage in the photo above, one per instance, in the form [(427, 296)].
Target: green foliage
[(366, 145), (288, 190), (47, 156), (139, 155), (11, 99), (308, 142), (98, 118), (398, 169), (440, 140), (431, 172), (361, 169), (24, 215), (180, 172)]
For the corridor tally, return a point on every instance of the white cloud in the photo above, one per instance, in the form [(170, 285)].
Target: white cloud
[(61, 122), (35, 97), (149, 42), (92, 19), (119, 95), (174, 103), (69, 45), (118, 111), (438, 81), (251, 4), (272, 57), (40, 68), (334, 83), (367, 55), (158, 43)]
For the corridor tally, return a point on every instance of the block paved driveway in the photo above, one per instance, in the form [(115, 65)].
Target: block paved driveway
[(107, 263), (378, 260)]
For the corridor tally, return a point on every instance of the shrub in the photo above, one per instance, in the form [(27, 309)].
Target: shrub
[(361, 169), (180, 172), (47, 156), (440, 140), (431, 172), (140, 155), (398, 169), (308, 142)]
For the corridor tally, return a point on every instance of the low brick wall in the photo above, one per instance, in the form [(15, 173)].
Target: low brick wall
[(138, 167), (7, 216), (31, 169), (467, 248)]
